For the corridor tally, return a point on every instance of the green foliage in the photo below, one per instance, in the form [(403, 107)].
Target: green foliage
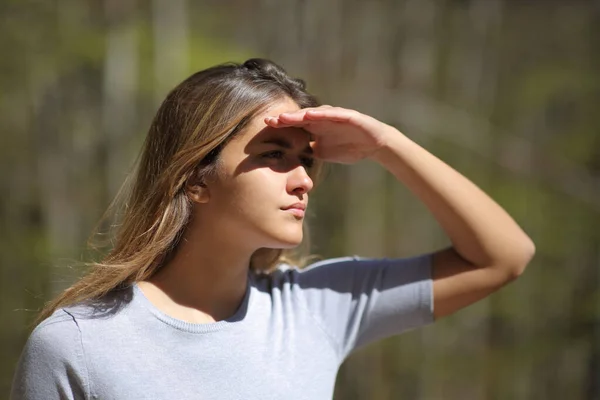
[(529, 72)]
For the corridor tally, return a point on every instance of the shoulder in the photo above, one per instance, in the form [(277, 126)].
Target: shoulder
[(53, 347), (56, 336), (349, 275), (64, 329), (60, 326), (356, 269), (52, 364), (288, 271)]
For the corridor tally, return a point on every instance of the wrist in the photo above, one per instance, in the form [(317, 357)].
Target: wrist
[(392, 140)]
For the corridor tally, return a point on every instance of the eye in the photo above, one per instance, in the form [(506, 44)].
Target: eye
[(307, 162), (276, 154)]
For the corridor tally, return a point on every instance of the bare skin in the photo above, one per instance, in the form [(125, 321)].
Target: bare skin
[(234, 215), (206, 280), (488, 248)]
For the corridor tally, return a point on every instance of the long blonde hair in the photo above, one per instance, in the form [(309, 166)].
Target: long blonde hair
[(192, 125)]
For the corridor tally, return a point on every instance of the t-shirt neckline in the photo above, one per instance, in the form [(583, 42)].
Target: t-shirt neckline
[(238, 318)]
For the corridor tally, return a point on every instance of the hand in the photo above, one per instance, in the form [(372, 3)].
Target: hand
[(340, 135)]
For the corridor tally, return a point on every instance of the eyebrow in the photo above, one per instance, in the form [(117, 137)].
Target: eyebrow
[(285, 144)]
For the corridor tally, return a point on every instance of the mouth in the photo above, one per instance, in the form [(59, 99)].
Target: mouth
[(296, 209), (296, 212)]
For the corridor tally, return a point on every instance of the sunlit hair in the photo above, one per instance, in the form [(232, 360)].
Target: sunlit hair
[(193, 124)]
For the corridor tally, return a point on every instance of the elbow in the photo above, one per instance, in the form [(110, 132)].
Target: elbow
[(520, 260)]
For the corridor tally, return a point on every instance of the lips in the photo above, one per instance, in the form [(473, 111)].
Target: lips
[(297, 209), (297, 206)]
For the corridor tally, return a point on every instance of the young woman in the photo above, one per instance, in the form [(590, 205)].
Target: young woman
[(197, 298)]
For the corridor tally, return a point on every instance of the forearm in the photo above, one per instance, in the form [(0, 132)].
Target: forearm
[(479, 229)]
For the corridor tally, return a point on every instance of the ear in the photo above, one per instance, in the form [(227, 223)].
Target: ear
[(197, 191)]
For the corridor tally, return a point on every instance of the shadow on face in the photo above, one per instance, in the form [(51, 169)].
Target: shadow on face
[(280, 149)]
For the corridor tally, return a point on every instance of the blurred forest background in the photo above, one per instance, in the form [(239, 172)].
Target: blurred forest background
[(507, 92)]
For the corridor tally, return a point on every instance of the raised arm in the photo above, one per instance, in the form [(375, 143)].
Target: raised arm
[(488, 248)]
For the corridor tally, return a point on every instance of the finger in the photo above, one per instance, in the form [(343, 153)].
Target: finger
[(275, 122), (300, 115), (303, 111), (299, 118), (330, 114), (292, 118)]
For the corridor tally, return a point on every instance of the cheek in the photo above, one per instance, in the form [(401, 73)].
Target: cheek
[(264, 186), (255, 190)]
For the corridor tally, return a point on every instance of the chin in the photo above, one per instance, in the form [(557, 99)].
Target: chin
[(289, 243), (286, 240), (280, 235)]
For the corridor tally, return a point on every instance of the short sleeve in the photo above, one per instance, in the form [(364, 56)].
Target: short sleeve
[(51, 364), (358, 301)]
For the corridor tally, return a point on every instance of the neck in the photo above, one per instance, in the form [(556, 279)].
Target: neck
[(204, 281)]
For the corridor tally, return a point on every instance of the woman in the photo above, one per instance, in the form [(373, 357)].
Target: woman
[(197, 299)]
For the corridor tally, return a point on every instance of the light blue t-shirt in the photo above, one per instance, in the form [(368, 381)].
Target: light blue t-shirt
[(287, 340)]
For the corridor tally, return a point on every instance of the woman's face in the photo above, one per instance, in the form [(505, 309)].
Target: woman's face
[(263, 183)]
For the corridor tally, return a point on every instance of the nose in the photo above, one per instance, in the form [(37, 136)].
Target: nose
[(299, 182)]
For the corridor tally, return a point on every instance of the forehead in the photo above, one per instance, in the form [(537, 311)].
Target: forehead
[(257, 132)]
